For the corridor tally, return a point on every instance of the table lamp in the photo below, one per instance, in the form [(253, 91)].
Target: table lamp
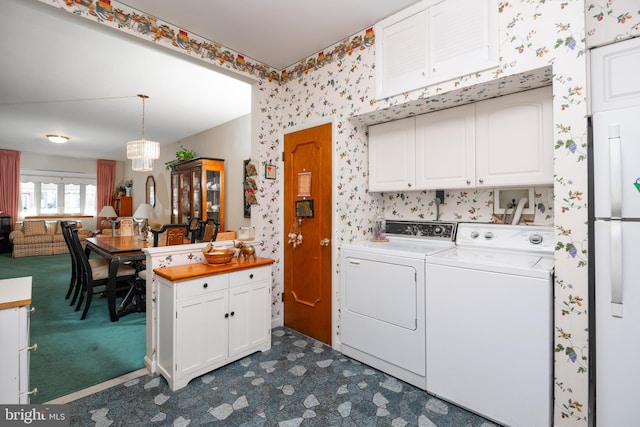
[(108, 212), (144, 212)]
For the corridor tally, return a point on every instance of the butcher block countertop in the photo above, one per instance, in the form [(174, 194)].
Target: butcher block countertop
[(194, 271)]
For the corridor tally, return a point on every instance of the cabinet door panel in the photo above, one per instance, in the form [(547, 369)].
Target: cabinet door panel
[(463, 38), (249, 325), (445, 149), (391, 156), (401, 54), (9, 355), (514, 139), (186, 199), (202, 332)]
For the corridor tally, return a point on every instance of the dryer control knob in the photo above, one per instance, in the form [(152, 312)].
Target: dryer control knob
[(535, 239), (474, 234), (488, 235)]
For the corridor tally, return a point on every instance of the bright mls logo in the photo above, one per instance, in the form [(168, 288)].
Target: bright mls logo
[(34, 415)]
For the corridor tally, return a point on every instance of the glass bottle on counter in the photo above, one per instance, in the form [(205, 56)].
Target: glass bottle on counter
[(379, 229)]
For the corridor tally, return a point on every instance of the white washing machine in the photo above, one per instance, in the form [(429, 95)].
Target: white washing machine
[(489, 323), (382, 317)]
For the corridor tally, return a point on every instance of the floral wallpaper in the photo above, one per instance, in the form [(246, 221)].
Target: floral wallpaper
[(611, 20), (541, 42)]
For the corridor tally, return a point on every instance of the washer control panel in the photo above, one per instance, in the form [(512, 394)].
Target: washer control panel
[(499, 236)]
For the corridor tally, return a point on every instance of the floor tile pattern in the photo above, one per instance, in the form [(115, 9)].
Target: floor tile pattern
[(299, 382)]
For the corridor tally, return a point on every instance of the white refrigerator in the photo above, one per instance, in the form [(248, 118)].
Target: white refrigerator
[(616, 225)]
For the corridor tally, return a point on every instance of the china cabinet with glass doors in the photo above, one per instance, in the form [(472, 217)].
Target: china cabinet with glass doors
[(197, 190)]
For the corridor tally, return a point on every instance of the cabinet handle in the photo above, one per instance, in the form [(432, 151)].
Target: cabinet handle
[(232, 313), (468, 181), (33, 347), (481, 180), (409, 184), (226, 315), (34, 391), (206, 285), (251, 276)]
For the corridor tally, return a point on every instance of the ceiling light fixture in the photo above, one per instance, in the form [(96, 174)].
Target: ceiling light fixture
[(57, 139), (142, 152)]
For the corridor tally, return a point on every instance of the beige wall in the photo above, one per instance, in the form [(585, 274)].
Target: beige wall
[(230, 141)]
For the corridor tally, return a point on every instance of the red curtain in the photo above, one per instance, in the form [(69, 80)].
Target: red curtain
[(105, 182), (10, 183)]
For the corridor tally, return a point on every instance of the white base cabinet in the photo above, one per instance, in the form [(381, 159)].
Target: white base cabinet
[(208, 322), (15, 312)]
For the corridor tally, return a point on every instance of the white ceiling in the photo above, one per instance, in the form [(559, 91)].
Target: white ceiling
[(64, 74), (278, 33)]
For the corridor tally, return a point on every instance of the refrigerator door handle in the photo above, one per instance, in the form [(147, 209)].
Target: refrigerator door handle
[(615, 160), (616, 268)]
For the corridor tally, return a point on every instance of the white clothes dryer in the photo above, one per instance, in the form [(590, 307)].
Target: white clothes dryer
[(382, 316)]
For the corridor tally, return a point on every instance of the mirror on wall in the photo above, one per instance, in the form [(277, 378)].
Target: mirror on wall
[(151, 191)]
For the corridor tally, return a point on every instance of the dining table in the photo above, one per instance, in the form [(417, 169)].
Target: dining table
[(117, 250)]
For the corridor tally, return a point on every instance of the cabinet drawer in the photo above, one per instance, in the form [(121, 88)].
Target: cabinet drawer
[(202, 286), (251, 275)]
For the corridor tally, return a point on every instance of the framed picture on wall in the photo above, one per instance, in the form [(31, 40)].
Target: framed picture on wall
[(270, 171), (304, 208)]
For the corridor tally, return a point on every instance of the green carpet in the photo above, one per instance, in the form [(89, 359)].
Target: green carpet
[(73, 354)]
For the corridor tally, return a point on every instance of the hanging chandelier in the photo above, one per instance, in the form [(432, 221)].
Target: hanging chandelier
[(142, 152)]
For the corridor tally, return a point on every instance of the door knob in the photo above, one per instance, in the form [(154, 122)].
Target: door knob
[(325, 242)]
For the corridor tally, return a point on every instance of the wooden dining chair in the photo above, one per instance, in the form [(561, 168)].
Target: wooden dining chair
[(95, 276), (134, 300), (75, 284), (209, 230), (195, 229), (175, 234), (126, 226), (75, 276)]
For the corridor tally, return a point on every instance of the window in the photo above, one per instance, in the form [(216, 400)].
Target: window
[(57, 193)]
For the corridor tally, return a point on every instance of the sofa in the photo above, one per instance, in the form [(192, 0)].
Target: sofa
[(40, 237)]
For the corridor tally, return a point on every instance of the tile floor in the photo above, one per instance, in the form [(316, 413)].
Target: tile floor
[(299, 382)]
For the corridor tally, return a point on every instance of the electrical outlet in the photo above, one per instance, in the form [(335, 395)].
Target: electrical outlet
[(440, 195)]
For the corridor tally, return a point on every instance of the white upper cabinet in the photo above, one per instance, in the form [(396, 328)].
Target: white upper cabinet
[(501, 142), (514, 139), (434, 41), (445, 148), (392, 156)]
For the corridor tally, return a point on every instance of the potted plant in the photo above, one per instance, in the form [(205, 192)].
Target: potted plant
[(182, 155)]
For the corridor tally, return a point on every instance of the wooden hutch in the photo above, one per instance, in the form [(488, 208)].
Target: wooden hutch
[(197, 190)]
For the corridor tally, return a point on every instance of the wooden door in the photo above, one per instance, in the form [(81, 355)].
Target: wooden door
[(307, 268)]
